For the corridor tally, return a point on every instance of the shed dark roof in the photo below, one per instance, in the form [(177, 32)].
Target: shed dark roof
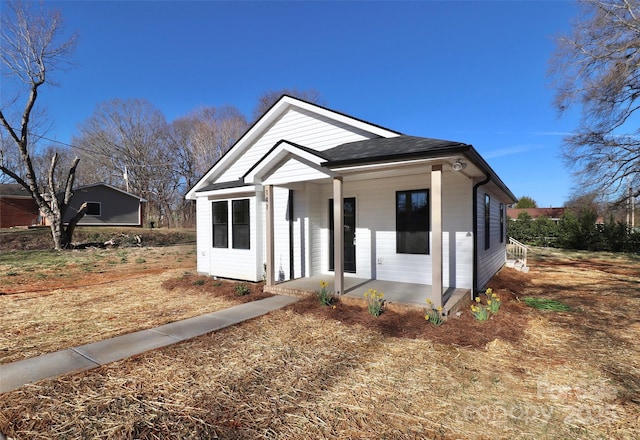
[(384, 149), (13, 189)]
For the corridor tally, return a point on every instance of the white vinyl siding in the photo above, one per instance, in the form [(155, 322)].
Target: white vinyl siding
[(293, 171), (203, 234), (298, 126), (281, 233), (227, 262), (376, 236), (318, 227)]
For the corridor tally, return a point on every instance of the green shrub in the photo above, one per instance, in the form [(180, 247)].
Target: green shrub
[(242, 289)]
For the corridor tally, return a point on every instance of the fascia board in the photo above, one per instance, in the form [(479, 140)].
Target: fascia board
[(238, 148), (251, 189), (346, 119), (277, 155), (269, 117)]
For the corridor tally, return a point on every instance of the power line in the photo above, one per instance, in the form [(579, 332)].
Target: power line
[(87, 150)]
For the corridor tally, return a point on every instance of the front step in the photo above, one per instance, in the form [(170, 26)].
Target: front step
[(517, 265)]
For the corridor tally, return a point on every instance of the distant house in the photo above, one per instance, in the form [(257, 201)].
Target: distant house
[(308, 192), (107, 206), (17, 208), (553, 214)]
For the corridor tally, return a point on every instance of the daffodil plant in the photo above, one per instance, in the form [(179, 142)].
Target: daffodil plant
[(324, 296), (433, 314), (375, 301), (481, 311)]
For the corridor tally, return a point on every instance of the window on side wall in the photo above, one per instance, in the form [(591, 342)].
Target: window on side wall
[(412, 222), (220, 221), (487, 221), (240, 224), (501, 222), (94, 209)]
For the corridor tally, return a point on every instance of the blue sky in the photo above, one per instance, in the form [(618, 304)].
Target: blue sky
[(474, 72)]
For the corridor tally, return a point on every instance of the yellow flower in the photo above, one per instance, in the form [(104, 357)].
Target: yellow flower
[(488, 302), (477, 299), (381, 295), (323, 284), (439, 309), (428, 301), (489, 291), (366, 294)]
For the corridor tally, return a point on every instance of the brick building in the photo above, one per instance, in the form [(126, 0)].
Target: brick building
[(17, 208)]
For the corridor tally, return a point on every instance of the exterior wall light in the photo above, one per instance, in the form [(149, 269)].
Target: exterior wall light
[(458, 165)]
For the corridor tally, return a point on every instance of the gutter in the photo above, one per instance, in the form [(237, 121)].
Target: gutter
[(487, 179)]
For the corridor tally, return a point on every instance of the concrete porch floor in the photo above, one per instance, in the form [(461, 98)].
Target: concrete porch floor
[(405, 295)]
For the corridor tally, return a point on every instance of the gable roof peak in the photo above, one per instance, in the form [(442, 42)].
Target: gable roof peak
[(276, 111)]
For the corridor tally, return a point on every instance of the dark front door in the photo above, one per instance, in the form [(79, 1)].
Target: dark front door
[(349, 235)]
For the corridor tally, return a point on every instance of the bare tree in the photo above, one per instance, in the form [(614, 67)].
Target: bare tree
[(126, 141), (597, 67), (32, 48), (199, 140), (270, 97)]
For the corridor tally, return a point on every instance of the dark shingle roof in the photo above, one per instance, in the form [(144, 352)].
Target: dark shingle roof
[(380, 150), (224, 185), (384, 149), (13, 189)]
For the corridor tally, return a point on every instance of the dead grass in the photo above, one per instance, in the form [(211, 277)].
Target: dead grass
[(310, 372), (41, 312)]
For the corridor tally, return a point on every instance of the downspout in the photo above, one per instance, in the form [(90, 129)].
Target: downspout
[(474, 291), (291, 243)]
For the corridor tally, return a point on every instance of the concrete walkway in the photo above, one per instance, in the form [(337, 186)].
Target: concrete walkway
[(86, 357)]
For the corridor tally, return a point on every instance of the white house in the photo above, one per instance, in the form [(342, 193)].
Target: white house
[(412, 210)]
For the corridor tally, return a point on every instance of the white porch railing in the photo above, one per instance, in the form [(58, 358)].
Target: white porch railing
[(517, 251)]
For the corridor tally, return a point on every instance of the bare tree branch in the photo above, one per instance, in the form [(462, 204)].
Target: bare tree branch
[(597, 69), (32, 48)]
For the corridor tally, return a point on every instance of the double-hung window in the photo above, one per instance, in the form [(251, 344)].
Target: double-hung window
[(240, 224), (412, 222), (501, 222), (220, 221), (93, 208)]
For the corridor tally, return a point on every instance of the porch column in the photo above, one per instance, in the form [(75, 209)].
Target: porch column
[(338, 235), (268, 191), (436, 233)]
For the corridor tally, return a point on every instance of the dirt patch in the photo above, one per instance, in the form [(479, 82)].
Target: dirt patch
[(40, 238)]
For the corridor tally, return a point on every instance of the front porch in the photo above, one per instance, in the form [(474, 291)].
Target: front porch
[(397, 295)]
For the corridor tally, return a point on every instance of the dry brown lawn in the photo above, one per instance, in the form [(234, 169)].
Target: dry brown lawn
[(312, 372), (51, 301)]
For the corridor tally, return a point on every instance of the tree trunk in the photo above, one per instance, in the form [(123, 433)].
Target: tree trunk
[(59, 242), (71, 227)]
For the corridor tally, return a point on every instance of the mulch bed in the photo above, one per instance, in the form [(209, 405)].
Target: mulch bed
[(508, 324), (220, 288)]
